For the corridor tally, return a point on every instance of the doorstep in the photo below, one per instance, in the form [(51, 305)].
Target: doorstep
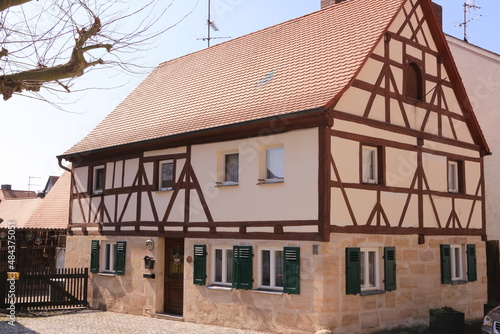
[(168, 316)]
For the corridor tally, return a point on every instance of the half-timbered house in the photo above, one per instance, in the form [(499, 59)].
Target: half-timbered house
[(323, 173)]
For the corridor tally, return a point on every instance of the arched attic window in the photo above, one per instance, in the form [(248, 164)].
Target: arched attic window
[(414, 84)]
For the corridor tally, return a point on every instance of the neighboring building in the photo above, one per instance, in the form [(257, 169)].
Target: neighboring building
[(480, 72), (323, 173), (40, 226), (16, 205)]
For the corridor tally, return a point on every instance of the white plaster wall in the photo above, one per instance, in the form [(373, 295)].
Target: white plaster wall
[(248, 201), (480, 72)]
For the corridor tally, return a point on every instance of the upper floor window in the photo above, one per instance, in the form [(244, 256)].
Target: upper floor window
[(371, 164), (414, 84), (454, 176), (275, 164), (167, 175), (98, 180), (231, 168)]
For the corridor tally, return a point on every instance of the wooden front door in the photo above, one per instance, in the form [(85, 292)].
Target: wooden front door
[(174, 276)]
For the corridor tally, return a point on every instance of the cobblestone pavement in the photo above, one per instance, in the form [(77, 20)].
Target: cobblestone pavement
[(100, 322)]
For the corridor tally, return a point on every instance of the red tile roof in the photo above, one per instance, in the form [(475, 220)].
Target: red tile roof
[(53, 212), (16, 194), (293, 66), (18, 210)]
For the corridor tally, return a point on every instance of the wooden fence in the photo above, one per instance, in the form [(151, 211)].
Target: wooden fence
[(35, 249), (56, 288)]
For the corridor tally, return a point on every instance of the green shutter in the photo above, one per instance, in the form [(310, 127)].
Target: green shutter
[(471, 263), (291, 270), (390, 268), (94, 256), (242, 267), (445, 264), (200, 265), (353, 270), (121, 249)]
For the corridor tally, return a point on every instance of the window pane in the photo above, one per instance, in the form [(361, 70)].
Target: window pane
[(453, 176), (99, 179), (167, 175), (370, 172), (371, 274), (229, 266), (275, 163), (278, 263), (266, 268), (107, 257), (362, 269), (218, 265), (458, 267), (231, 165)]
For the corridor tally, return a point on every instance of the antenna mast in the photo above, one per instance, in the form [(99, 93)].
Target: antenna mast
[(32, 184), (210, 24), (467, 8)]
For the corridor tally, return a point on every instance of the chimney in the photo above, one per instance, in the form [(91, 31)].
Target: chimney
[(6, 187), (328, 3), (439, 13)]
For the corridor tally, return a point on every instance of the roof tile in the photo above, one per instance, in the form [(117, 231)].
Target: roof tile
[(311, 58)]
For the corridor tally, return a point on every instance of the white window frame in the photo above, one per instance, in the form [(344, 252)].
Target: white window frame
[(96, 190), (272, 272), (369, 164), (225, 260), (229, 182), (457, 264), (282, 167), (453, 176), (160, 176), (364, 262), (108, 253)]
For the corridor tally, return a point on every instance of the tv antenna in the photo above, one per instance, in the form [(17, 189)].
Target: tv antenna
[(32, 184), (468, 6), (210, 24)]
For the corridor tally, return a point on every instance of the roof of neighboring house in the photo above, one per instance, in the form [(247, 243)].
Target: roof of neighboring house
[(54, 211), (16, 194), (18, 210), (50, 183), (300, 65), (293, 66)]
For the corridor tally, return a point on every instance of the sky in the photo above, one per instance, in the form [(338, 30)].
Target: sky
[(34, 132)]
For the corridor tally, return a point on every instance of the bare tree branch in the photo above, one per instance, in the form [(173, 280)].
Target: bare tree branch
[(54, 41), (4, 4)]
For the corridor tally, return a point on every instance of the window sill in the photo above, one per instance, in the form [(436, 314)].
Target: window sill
[(226, 184), (458, 282), (269, 181), (269, 291), (166, 189), (371, 292), (219, 287), (96, 193), (106, 274)]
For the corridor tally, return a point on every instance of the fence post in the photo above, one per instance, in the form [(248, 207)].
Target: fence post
[(3, 288), (86, 286)]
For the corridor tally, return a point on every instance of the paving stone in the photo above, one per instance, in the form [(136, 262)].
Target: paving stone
[(100, 322)]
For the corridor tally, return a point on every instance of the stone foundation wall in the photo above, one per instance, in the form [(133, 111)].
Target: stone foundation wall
[(130, 293), (323, 302)]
